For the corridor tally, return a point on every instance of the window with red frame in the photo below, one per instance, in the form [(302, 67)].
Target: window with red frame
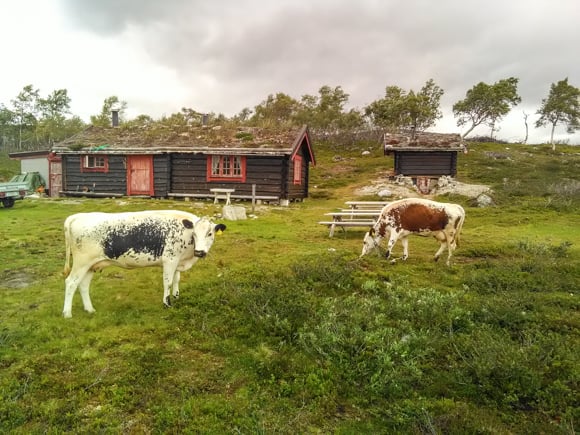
[(297, 170), (93, 163), (226, 168)]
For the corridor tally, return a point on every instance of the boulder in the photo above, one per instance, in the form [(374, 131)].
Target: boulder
[(484, 200), (234, 213)]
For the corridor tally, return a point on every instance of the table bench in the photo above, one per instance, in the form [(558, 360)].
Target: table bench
[(219, 193), (362, 205)]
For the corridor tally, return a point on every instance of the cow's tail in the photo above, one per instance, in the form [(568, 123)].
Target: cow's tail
[(67, 242), (458, 227)]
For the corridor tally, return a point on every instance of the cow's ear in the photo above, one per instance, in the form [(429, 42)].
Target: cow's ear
[(219, 228), (371, 231)]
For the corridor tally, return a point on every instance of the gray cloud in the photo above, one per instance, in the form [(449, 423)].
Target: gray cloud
[(251, 48)]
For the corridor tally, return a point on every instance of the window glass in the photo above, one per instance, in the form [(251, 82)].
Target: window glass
[(92, 163), (298, 170), (226, 168)]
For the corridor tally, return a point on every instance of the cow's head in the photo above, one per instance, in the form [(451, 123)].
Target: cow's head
[(370, 242), (204, 232)]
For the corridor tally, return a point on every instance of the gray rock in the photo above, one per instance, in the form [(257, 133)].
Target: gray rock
[(234, 213), (484, 200)]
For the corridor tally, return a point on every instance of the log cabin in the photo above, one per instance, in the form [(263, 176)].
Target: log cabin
[(269, 164)]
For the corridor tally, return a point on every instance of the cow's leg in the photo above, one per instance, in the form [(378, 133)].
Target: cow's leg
[(169, 270), (84, 289), (440, 251), (176, 278), (405, 243), (443, 239), (394, 236), (450, 246), (70, 287)]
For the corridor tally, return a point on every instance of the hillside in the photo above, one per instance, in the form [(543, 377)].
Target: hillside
[(285, 330)]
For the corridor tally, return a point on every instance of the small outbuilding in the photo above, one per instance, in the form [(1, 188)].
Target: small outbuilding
[(428, 154), (42, 161), (425, 157), (158, 160)]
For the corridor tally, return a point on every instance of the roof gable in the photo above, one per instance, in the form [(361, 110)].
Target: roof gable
[(303, 139)]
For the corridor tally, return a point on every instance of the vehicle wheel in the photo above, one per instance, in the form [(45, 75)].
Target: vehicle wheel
[(8, 202)]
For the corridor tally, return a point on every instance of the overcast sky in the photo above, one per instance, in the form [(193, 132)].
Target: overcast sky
[(224, 55)]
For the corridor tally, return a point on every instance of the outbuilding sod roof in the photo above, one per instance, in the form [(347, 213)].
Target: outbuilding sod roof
[(423, 142), (183, 138)]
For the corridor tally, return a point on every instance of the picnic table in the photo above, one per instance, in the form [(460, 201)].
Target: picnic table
[(358, 214), (219, 193), (350, 218)]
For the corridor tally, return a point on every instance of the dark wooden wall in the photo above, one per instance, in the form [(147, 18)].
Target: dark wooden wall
[(298, 191), (428, 163), (186, 173), (113, 181), (268, 173), (162, 175)]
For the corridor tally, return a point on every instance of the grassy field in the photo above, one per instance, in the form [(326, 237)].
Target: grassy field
[(284, 330)]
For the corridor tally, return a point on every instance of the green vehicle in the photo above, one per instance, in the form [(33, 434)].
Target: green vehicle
[(20, 186)]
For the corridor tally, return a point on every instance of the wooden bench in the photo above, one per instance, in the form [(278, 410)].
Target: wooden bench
[(211, 195), (344, 224), (361, 205), (352, 214), (365, 210), (189, 195), (261, 197), (90, 194)]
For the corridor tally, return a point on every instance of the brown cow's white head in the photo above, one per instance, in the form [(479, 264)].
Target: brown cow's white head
[(370, 242)]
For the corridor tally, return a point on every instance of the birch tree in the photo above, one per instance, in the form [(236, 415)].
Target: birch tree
[(562, 106), (486, 104)]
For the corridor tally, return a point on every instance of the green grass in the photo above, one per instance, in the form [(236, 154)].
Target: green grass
[(282, 329)]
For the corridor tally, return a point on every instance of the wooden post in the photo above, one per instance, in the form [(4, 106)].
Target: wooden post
[(253, 197)]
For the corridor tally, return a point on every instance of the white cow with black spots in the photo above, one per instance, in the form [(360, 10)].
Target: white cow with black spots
[(172, 239)]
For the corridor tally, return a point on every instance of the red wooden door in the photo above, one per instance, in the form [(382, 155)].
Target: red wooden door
[(140, 175)]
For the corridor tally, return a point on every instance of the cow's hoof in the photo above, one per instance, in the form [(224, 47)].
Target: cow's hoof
[(66, 315), (393, 261), (167, 302)]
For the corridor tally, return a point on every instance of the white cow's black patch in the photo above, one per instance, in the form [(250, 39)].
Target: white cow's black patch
[(147, 237)]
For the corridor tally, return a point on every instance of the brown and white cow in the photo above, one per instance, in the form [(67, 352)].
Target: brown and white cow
[(420, 216), (172, 239)]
